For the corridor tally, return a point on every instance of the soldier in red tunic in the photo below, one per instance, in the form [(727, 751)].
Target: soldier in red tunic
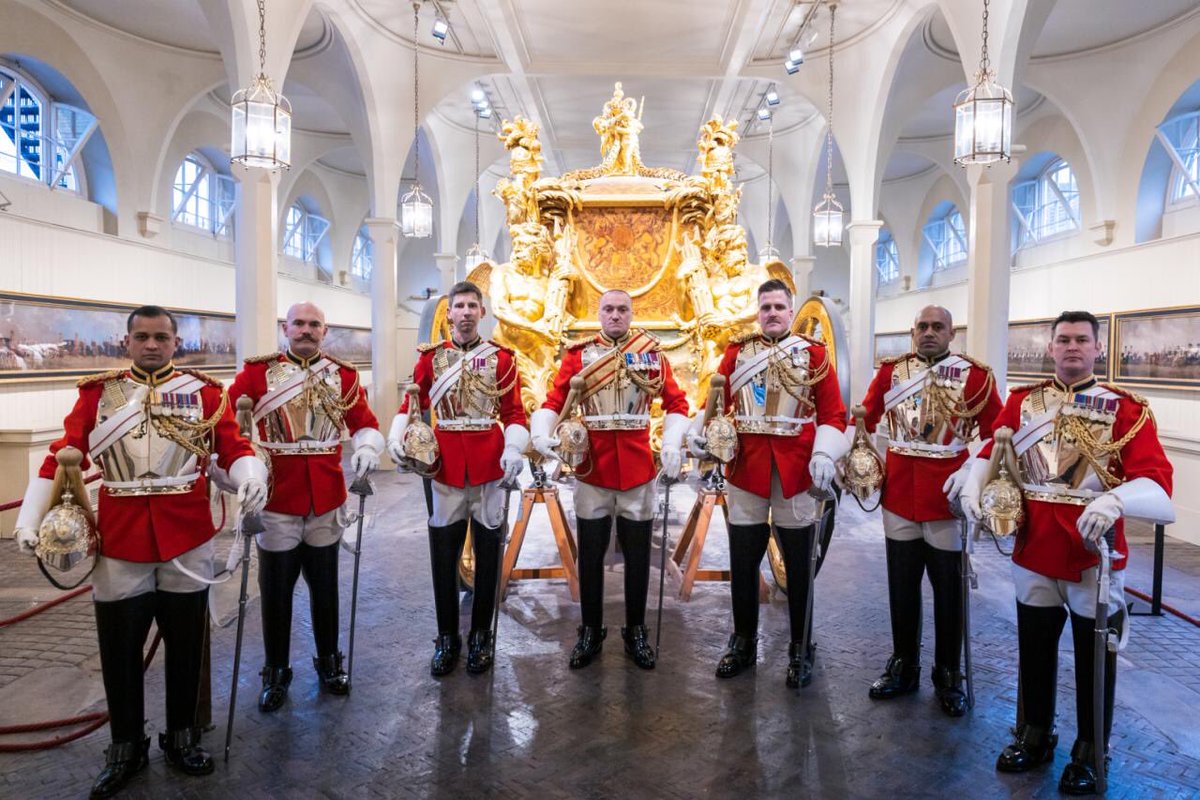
[(153, 430), (1088, 455), (303, 401), (936, 405), (624, 369), (783, 393), (474, 389)]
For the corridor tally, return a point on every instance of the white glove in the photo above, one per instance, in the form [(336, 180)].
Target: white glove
[(954, 484), (675, 427), (968, 493), (27, 540), (250, 475), (368, 444), (396, 436), (672, 461), (541, 428), (33, 508), (822, 470), (512, 460), (697, 443), (1099, 515)]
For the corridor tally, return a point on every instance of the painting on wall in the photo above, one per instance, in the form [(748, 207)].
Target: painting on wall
[(1159, 347), (44, 337), (1029, 358), (352, 345), (893, 345)]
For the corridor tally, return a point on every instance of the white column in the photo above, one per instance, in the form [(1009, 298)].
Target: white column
[(802, 269), (989, 266), (385, 395), (447, 264), (863, 234), (256, 235)]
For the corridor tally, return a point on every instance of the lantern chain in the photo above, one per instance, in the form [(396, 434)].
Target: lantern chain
[(262, 36), (416, 98), (829, 135)]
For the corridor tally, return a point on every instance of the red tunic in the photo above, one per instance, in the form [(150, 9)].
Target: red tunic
[(617, 459), (305, 483), (1047, 541), (760, 453), (913, 486), (469, 458), (152, 528)]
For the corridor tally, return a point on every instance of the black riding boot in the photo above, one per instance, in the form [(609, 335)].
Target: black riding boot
[(634, 538), (121, 627), (1038, 631), (747, 545), (182, 618), (905, 567), (277, 574), (480, 647), (320, 565), (945, 567), (594, 536), (445, 548), (1079, 776), (796, 544)]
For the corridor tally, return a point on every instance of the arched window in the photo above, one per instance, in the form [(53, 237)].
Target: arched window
[(202, 197), (1046, 205), (41, 139), (887, 258), (303, 231), (362, 259), (946, 236), (1181, 137)]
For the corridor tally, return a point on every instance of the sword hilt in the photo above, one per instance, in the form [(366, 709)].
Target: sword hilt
[(362, 486)]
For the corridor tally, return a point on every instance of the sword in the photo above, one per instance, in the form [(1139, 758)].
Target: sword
[(1101, 646), (361, 487), (252, 525), (662, 566), (969, 581), (508, 490), (814, 557)]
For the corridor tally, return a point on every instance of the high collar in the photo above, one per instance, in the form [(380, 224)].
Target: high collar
[(471, 345), (1078, 386), (152, 378), (773, 339), (604, 339), (929, 362), (301, 360)]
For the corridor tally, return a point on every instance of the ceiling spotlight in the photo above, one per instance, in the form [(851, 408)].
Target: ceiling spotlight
[(477, 95), (764, 113), (484, 112), (441, 28), (796, 56), (792, 67), (772, 97)]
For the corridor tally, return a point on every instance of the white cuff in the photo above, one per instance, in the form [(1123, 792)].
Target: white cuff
[(370, 438), (977, 472), (517, 436), (542, 422), (973, 448), (674, 428), (36, 503), (831, 441), (399, 424), (247, 468), (1145, 499)]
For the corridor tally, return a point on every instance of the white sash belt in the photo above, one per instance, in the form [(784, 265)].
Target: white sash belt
[(774, 419), (1033, 431), (745, 373), (301, 446), (466, 423), (636, 418), (925, 447), (287, 390), (111, 430), (152, 483), (450, 377)]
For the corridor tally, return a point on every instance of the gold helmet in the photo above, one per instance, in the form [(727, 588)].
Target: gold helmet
[(864, 469), (573, 436), (420, 449), (66, 536)]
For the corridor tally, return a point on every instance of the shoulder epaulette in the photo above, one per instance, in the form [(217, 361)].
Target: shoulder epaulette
[(100, 376), (499, 346), (1121, 390), (425, 347), (811, 340), (742, 338), (974, 362), (262, 359), (577, 345), (1029, 387), (195, 373), (339, 362), (894, 359)]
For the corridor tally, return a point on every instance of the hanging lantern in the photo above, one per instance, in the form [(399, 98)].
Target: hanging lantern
[(827, 215), (416, 209), (827, 222), (416, 214), (261, 117), (476, 255), (983, 115)]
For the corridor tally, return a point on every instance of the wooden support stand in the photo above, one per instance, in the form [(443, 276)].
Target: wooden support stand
[(547, 495), (691, 545)]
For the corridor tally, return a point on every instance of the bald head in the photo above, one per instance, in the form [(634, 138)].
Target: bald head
[(616, 313), (304, 329), (933, 329)]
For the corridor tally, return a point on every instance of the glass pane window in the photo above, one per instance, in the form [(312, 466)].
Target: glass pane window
[(947, 238), (192, 194), (21, 129), (1183, 132), (293, 233), (1047, 205), (362, 259), (887, 257)]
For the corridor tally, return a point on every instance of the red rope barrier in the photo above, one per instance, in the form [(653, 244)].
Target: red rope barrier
[(17, 503), (62, 598), (1169, 609)]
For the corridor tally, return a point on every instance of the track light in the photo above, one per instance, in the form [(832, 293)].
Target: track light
[(441, 29), (477, 95), (792, 67), (796, 55), (485, 112), (772, 97), (764, 113)]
